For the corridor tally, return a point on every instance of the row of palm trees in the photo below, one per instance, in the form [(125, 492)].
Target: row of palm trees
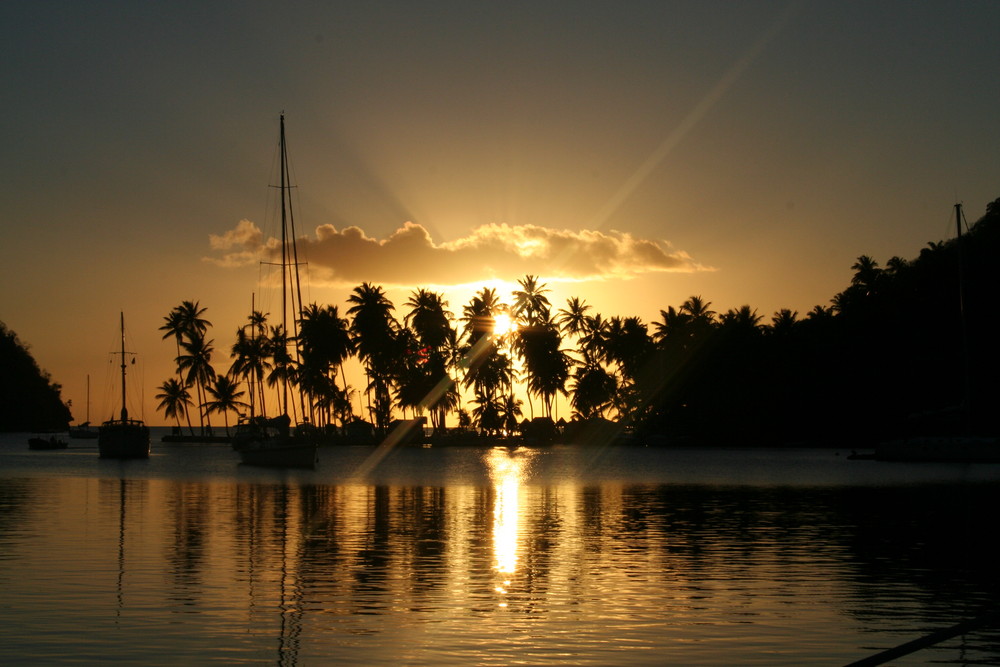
[(213, 392), (690, 372), (426, 362)]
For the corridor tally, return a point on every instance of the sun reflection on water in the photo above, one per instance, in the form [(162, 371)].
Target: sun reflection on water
[(508, 469)]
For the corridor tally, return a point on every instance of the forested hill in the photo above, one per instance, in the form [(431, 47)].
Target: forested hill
[(891, 356), (29, 400)]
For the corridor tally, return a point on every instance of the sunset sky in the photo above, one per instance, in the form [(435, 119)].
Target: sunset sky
[(629, 153)]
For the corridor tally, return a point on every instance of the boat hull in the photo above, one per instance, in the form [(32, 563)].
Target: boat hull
[(271, 454), (123, 440), (46, 443), (206, 439), (272, 444)]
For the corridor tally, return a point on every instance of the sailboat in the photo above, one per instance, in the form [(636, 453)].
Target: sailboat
[(961, 446), (83, 431), (273, 442), (123, 438)]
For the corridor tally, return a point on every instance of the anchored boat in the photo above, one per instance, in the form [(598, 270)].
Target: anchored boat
[(123, 438)]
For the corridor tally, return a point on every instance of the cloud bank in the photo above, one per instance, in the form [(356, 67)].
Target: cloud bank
[(410, 256)]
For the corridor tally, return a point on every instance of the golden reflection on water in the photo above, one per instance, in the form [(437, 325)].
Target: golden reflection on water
[(508, 469)]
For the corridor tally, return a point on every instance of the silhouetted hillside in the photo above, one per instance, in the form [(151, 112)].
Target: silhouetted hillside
[(29, 400), (890, 357)]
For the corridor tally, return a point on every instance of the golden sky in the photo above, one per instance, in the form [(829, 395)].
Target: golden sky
[(632, 154)]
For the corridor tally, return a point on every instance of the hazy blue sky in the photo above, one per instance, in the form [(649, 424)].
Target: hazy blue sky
[(631, 153)]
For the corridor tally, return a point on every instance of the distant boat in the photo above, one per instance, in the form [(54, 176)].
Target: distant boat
[(272, 442), (51, 442), (123, 438), (962, 446), (83, 431)]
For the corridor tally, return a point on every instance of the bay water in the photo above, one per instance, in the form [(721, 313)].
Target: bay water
[(492, 556)]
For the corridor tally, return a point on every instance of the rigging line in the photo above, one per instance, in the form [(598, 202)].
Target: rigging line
[(990, 619)]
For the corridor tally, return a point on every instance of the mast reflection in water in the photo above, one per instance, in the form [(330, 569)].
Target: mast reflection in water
[(458, 556)]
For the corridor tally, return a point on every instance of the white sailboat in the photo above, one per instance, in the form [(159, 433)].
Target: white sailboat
[(274, 442)]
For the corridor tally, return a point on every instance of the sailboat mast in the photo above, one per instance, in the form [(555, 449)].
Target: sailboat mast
[(253, 347), (966, 369), (284, 257), (124, 408), (291, 289)]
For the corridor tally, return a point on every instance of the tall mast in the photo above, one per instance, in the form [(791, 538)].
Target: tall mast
[(966, 374), (284, 259), (253, 349), (291, 290), (124, 408)]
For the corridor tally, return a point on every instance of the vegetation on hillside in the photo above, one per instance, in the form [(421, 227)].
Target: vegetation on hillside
[(29, 399)]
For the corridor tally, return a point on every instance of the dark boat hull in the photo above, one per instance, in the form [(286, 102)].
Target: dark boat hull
[(45, 443), (276, 454), (208, 439), (123, 440), (272, 444)]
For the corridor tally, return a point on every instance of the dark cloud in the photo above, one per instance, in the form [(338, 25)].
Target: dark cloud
[(410, 256)]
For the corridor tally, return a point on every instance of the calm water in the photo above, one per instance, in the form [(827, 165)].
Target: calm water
[(489, 556)]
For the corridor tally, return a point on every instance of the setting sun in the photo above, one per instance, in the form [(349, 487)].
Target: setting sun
[(502, 324)]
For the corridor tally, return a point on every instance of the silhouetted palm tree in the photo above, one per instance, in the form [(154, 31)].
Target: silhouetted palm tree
[(197, 361), (478, 314), (174, 325), (487, 413), (573, 318), (530, 302), (174, 401), (702, 318), (783, 322), (510, 412), (374, 329), (191, 316), (593, 339), (593, 391), (226, 396), (674, 330), (324, 344), (250, 355), (820, 313), (627, 343), (429, 317), (743, 320), (867, 274), (187, 326), (546, 365), (283, 366), (431, 321)]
